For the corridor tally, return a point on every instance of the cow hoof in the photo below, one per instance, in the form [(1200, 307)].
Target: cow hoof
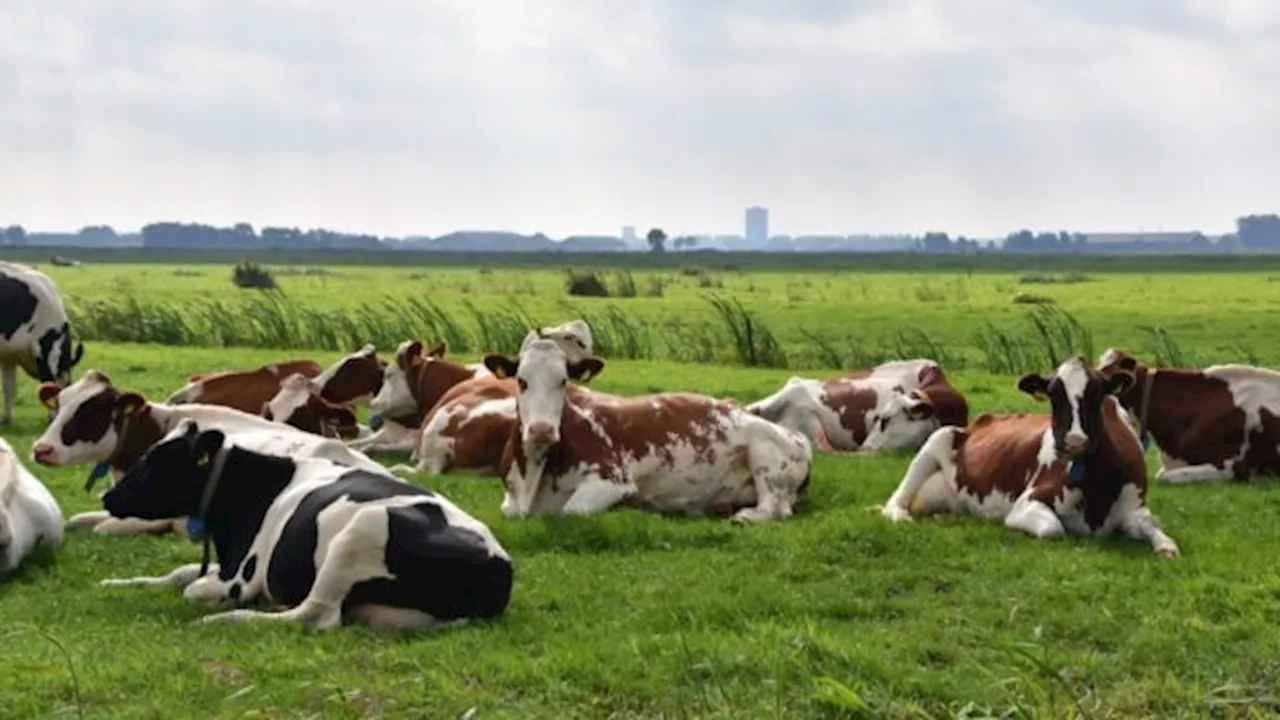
[(1170, 551), (896, 514)]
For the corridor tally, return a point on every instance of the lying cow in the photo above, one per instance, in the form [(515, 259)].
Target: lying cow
[(329, 542), (574, 337), (244, 390), (351, 381), (29, 515), (576, 451), (467, 429), (96, 422), (34, 332), (1219, 423), (1078, 470), (893, 406), (299, 403)]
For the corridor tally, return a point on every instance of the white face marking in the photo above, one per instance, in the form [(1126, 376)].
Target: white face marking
[(1108, 357), (294, 393), (1075, 380), (544, 374), (891, 426), (395, 399), (69, 401)]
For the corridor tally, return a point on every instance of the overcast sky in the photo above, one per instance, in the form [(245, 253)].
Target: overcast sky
[(579, 116)]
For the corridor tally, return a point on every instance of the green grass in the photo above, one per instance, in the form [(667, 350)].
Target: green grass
[(631, 615)]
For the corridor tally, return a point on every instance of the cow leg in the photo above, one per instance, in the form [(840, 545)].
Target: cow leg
[(1034, 517), (9, 373), (595, 494), (356, 554), (86, 520), (181, 576), (388, 617), (132, 526), (387, 439), (777, 471), (1141, 524), (1197, 473), (927, 468)]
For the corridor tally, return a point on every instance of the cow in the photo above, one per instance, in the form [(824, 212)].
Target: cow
[(467, 429), (244, 390), (300, 403), (1077, 470), (96, 422), (574, 337), (35, 333), (577, 451), (330, 542), (29, 515), (1219, 423), (880, 409)]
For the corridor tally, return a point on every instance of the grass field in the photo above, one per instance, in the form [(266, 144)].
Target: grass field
[(833, 613)]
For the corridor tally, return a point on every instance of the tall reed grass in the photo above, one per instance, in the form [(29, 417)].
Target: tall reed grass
[(729, 333)]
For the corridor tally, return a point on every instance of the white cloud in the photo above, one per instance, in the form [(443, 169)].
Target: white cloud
[(422, 117)]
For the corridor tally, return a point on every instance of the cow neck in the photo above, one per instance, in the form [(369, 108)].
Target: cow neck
[(1095, 474), (234, 501), (134, 434), (554, 461), (435, 377)]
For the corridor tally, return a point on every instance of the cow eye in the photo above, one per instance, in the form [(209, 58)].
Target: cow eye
[(522, 384), (564, 382)]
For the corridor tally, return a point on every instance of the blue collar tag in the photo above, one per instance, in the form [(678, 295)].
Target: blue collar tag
[(195, 528), (1075, 473), (98, 472), (1145, 439), (375, 422)]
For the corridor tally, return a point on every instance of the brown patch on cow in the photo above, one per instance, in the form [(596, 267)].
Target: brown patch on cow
[(356, 377), (247, 390), (946, 403), (997, 451), (478, 441), (851, 404), (429, 379), (107, 410), (321, 417), (1193, 417)]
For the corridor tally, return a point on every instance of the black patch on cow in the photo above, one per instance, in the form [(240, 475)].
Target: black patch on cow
[(50, 338), (249, 568), (234, 591), (17, 305), (442, 570)]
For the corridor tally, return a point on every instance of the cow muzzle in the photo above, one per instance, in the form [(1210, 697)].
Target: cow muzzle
[(541, 435), (44, 454), (1074, 445)]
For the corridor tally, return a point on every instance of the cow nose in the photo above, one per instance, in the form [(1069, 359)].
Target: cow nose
[(1074, 444), (42, 454), (542, 433)]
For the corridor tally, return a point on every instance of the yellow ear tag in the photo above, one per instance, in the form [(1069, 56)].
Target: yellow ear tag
[(1040, 396), (203, 461)]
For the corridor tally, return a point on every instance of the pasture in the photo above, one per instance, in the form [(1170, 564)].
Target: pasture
[(833, 613)]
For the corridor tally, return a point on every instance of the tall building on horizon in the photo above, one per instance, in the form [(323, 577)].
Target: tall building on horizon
[(757, 224), (628, 234)]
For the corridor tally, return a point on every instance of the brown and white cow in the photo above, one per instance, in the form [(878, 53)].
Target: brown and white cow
[(411, 385), (577, 451), (574, 337), (1078, 470), (1219, 423), (244, 390), (893, 406), (95, 422), (467, 429), (300, 403)]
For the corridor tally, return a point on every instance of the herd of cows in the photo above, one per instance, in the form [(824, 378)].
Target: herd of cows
[(268, 467)]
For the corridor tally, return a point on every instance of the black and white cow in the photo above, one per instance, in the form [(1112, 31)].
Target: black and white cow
[(329, 542), (34, 332)]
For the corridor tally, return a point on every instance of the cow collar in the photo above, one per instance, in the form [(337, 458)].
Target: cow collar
[(195, 523), (100, 470)]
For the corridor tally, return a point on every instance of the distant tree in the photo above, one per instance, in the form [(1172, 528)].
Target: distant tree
[(657, 240), (15, 235), (936, 242)]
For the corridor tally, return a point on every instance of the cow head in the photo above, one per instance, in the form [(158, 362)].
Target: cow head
[(170, 479), (395, 398), (574, 338), (354, 379), (904, 420), (1075, 393), (88, 415), (56, 356), (298, 403), (542, 372)]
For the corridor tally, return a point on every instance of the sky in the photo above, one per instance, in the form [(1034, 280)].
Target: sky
[(420, 117)]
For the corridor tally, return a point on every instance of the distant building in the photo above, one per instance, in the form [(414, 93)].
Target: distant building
[(757, 225), (629, 234)]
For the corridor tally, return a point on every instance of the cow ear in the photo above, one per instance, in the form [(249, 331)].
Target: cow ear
[(129, 403), (1119, 382), (585, 369), (411, 355), (439, 350), (1128, 364), (48, 394), (1035, 386), (79, 353), (207, 446), (923, 408), (501, 365)]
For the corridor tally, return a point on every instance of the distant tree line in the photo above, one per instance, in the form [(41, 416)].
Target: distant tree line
[(1253, 232)]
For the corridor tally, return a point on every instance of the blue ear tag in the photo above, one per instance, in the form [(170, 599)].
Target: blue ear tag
[(195, 528), (98, 472), (375, 422), (1145, 439), (1075, 473)]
